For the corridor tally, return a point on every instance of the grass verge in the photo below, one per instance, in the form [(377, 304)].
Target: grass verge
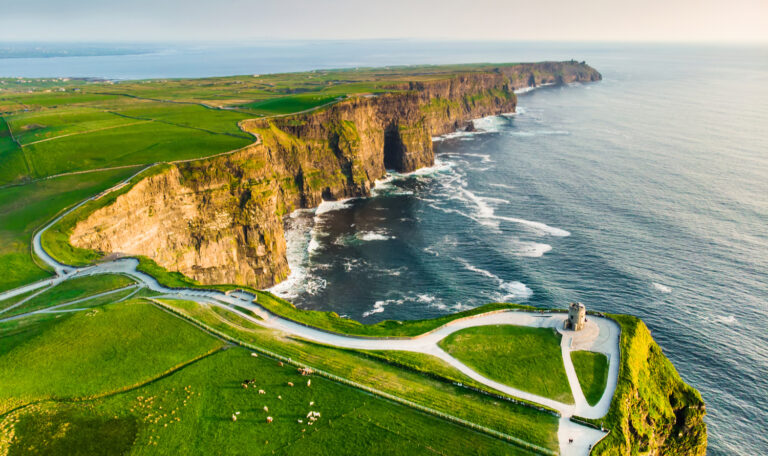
[(592, 370)]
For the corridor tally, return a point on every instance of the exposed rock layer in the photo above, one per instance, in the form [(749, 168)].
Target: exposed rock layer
[(219, 220)]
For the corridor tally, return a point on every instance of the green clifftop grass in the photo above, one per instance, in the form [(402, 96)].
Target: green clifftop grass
[(653, 410)]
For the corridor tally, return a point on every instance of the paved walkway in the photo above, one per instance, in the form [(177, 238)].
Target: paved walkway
[(602, 335)]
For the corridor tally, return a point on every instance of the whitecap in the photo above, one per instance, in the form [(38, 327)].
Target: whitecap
[(373, 236), (486, 158), (726, 320), (538, 226), (530, 249), (662, 288), (516, 290), (510, 290), (379, 306)]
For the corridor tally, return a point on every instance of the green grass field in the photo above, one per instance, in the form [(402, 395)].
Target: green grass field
[(190, 412), (136, 144), (70, 290), (105, 349), (291, 104), (526, 358), (25, 208), (526, 423), (122, 404), (592, 370)]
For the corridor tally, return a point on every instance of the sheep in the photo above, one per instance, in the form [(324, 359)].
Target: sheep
[(262, 392), (309, 382), (255, 355), (266, 409), (290, 383), (300, 420), (234, 417), (269, 419)]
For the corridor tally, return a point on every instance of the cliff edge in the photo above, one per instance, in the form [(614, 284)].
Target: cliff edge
[(219, 220)]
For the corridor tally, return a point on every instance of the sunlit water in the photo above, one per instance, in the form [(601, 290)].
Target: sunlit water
[(646, 193)]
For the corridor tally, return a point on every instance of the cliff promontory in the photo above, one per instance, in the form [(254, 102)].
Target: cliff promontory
[(219, 220)]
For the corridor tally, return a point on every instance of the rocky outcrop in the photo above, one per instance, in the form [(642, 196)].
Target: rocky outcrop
[(219, 220)]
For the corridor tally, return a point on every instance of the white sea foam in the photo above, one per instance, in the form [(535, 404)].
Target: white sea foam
[(420, 298), (313, 244), (486, 215), (378, 307), (538, 226), (511, 290), (490, 124), (486, 158), (298, 236), (507, 186), (726, 320), (328, 206), (455, 134), (524, 90), (531, 89), (458, 307), (662, 288), (378, 235), (530, 249), (531, 133)]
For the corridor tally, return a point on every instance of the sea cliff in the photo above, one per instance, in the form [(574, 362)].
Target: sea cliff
[(219, 220)]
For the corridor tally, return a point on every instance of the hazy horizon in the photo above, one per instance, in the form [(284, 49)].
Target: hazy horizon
[(190, 21)]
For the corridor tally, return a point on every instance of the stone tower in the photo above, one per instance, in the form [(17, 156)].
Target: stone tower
[(577, 316)]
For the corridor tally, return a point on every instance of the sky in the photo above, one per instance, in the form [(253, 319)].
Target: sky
[(723, 21)]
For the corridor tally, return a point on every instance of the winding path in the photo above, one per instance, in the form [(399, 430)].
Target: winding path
[(601, 335)]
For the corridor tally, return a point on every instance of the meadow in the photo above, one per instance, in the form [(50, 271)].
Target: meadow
[(592, 371), (107, 349), (526, 358), (152, 383), (431, 390)]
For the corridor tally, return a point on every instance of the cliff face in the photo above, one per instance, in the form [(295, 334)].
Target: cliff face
[(219, 220), (653, 411)]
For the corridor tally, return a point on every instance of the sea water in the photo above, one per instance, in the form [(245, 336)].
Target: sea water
[(645, 193)]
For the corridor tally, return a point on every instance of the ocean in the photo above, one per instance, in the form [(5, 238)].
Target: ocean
[(645, 193)]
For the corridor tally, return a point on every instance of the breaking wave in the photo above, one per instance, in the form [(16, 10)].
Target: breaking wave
[(511, 290)]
